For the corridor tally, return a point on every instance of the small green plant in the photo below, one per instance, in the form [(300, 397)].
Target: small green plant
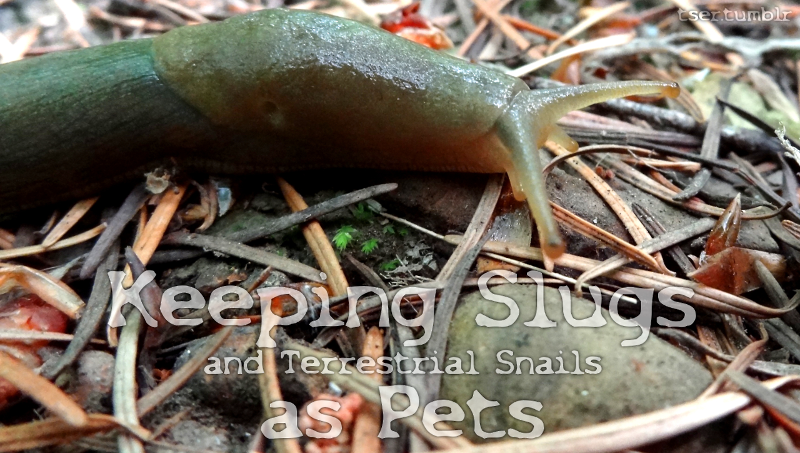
[(369, 246), (402, 231), (390, 265), (530, 7), (388, 229), (343, 237), (363, 213)]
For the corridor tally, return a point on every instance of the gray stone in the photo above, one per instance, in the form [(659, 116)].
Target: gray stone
[(236, 393), (576, 195), (95, 378), (633, 380), (190, 433), (443, 202)]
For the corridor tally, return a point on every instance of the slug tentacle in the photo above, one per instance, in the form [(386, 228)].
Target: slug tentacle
[(515, 129), (562, 138), (529, 121), (553, 103)]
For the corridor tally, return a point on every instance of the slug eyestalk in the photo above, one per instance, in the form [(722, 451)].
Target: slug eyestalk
[(530, 121)]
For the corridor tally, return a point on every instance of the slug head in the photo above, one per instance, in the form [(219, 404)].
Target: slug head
[(530, 121)]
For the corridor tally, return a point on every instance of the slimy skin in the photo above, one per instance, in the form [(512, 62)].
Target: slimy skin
[(273, 91)]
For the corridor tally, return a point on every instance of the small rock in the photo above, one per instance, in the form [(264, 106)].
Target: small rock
[(190, 433), (576, 195), (633, 380), (443, 202), (238, 220), (205, 274), (238, 395), (234, 394), (95, 378)]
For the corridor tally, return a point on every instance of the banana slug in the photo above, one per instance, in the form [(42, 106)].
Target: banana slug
[(273, 91)]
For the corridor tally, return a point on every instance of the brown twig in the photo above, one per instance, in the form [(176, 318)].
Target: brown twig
[(91, 319), (632, 432), (159, 394), (353, 380), (650, 246), (452, 277), (147, 241), (702, 295), (62, 244), (507, 28), (742, 362), (132, 204), (304, 215), (655, 228), (368, 423), (155, 228), (479, 28), (270, 387), (585, 24), (710, 148), (54, 431), (42, 390), (318, 242), (246, 252), (618, 206), (125, 390), (602, 236), (68, 221)]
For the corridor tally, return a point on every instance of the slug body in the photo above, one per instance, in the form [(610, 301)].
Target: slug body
[(274, 91)]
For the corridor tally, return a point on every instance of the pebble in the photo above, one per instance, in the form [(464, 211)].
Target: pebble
[(633, 380)]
